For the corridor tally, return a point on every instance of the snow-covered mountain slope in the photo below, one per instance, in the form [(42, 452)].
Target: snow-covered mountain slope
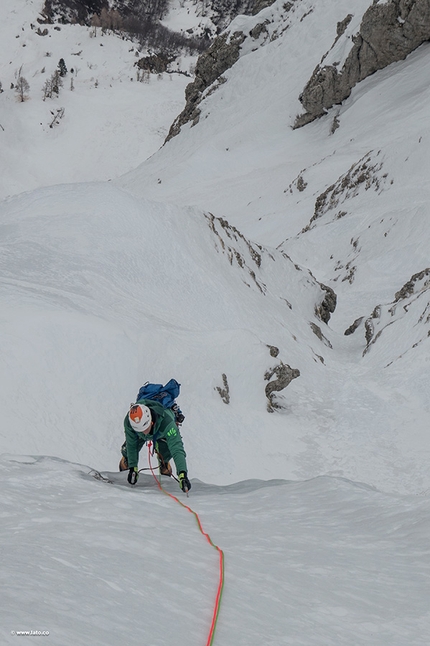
[(108, 116), (218, 261), (111, 121), (314, 562), (334, 200), (245, 125), (100, 290), (346, 196)]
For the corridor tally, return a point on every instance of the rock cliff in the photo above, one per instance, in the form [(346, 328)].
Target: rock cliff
[(388, 32)]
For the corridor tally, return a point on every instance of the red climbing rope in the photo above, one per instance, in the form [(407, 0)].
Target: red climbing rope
[(209, 540)]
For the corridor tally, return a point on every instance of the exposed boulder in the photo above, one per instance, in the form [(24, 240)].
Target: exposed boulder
[(155, 64), (328, 304), (224, 392), (354, 326), (274, 351), (260, 28), (284, 376), (388, 33)]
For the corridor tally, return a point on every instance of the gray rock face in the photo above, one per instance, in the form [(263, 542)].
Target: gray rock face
[(220, 56), (328, 304), (259, 5), (421, 280), (284, 375), (156, 64), (224, 392), (411, 302), (225, 10), (388, 33)]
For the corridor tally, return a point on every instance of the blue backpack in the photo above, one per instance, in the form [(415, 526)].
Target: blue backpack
[(165, 395)]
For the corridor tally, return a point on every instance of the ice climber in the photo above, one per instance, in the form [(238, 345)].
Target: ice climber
[(149, 421)]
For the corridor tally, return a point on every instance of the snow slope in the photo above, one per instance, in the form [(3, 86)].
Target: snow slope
[(100, 290), (318, 562), (112, 122), (365, 179), (195, 265)]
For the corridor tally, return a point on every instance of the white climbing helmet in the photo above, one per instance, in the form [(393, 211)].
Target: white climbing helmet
[(140, 418)]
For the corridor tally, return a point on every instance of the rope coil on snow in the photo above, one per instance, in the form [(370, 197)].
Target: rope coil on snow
[(209, 540)]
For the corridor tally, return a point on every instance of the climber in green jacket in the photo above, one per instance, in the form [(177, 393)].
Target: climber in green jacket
[(149, 421)]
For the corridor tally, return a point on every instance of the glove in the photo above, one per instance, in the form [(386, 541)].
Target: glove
[(184, 483), (133, 475)]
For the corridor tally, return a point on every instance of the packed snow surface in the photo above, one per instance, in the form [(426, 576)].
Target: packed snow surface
[(316, 562)]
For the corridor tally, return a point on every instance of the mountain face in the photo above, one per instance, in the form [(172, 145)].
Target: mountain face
[(388, 32), (344, 196), (279, 273), (130, 12), (224, 11), (81, 11)]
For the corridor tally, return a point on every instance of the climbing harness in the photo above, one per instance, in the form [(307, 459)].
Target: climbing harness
[(211, 634)]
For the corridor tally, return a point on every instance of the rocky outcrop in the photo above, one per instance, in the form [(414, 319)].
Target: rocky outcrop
[(224, 392), (155, 64), (388, 33), (284, 375), (411, 306), (420, 281), (354, 326), (367, 173), (328, 304), (224, 11), (221, 55), (259, 5)]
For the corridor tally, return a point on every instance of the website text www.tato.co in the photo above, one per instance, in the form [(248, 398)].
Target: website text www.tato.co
[(30, 633)]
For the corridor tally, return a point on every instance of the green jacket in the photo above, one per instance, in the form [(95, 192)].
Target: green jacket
[(164, 429)]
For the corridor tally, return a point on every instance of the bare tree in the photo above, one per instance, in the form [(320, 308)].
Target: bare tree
[(22, 86), (47, 89), (57, 82), (116, 20), (105, 19), (95, 22), (52, 85)]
